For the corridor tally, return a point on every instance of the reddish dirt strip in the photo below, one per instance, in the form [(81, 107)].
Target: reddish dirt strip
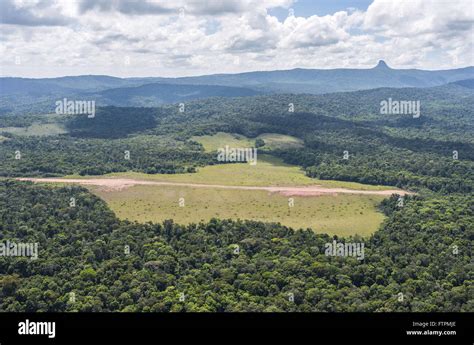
[(116, 184)]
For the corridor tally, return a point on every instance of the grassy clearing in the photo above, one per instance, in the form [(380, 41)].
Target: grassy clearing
[(214, 142), (272, 141), (279, 141), (40, 129), (341, 215), (269, 171)]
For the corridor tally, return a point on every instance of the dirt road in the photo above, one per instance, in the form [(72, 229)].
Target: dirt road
[(115, 184)]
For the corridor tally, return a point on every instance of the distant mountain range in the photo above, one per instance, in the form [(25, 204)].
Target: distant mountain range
[(158, 93), (22, 94), (317, 81)]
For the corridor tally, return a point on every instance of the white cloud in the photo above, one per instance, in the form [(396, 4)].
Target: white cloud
[(96, 37), (313, 31)]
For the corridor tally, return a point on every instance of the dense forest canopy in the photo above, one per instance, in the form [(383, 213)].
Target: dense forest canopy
[(89, 260), (420, 260), (27, 95), (433, 152)]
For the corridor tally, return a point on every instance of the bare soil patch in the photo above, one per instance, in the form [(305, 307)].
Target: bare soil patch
[(116, 184)]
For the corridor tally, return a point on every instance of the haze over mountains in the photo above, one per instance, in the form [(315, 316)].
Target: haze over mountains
[(316, 81), (153, 91)]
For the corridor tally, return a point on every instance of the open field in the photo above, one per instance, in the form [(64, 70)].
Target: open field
[(261, 192), (279, 141), (272, 141), (343, 214), (40, 129), (114, 184), (269, 171), (338, 211), (220, 139)]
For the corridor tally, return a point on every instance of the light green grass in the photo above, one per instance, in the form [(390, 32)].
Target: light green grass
[(221, 139), (40, 129), (269, 171), (272, 141), (341, 215), (279, 141)]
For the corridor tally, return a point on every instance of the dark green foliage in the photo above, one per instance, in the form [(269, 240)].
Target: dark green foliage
[(423, 250), (152, 95), (55, 156), (398, 150), (259, 143), (112, 122), (81, 250)]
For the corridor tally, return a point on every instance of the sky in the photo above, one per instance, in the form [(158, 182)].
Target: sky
[(48, 38)]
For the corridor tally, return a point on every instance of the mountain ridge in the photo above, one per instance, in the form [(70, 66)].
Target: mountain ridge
[(20, 94)]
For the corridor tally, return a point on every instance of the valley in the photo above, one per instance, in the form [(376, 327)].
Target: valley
[(298, 169), (149, 179), (263, 192)]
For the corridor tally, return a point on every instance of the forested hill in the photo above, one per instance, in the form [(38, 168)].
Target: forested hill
[(37, 97), (157, 94), (318, 81), (90, 261), (295, 80), (20, 95), (434, 151)]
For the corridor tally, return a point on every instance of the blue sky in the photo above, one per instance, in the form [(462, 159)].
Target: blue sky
[(306, 8)]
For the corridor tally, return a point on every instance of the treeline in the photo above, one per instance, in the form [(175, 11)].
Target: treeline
[(112, 122), (433, 152), (63, 155), (420, 260)]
